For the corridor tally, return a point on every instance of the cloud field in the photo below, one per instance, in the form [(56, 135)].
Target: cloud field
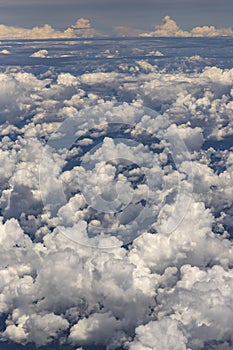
[(116, 218), (83, 28)]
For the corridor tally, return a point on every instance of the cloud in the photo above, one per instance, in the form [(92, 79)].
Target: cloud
[(211, 31), (46, 31), (170, 29), (82, 23), (127, 31), (95, 328), (156, 335), (82, 28), (168, 289), (40, 54), (5, 52)]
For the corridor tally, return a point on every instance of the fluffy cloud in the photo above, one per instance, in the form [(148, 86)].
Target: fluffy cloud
[(5, 52), (149, 337), (40, 54), (211, 31), (94, 329), (46, 31), (169, 289), (82, 23), (82, 28), (170, 28)]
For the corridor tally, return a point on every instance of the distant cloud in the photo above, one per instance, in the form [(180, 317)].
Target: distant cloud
[(5, 52), (211, 31), (7, 32), (82, 28), (170, 28), (40, 54), (127, 31), (82, 23)]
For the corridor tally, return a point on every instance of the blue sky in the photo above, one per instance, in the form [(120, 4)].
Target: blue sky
[(105, 14)]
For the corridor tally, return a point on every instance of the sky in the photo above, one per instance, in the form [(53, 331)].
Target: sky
[(105, 14)]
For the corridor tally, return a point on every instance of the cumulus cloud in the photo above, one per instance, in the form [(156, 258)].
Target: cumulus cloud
[(169, 289), (94, 329), (163, 334), (7, 32), (169, 28), (5, 52), (40, 54), (211, 31), (82, 23), (82, 28)]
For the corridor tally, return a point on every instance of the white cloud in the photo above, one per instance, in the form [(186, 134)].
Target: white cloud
[(171, 288), (96, 329), (211, 31), (46, 31), (156, 335), (45, 328), (40, 54), (82, 28), (82, 23), (170, 29), (5, 52)]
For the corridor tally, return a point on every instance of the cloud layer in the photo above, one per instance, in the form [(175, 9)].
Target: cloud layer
[(170, 288), (171, 29), (82, 28)]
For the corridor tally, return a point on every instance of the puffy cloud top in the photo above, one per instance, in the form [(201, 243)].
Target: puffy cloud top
[(168, 289), (82, 23), (170, 28), (81, 28)]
